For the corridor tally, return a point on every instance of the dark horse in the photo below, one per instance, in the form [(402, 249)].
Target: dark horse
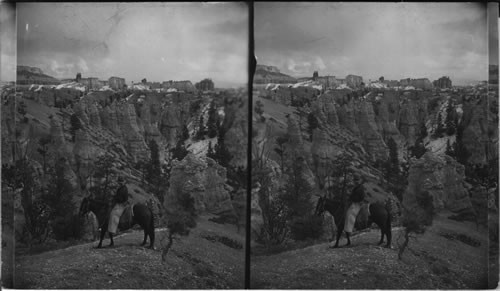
[(378, 214), (142, 215)]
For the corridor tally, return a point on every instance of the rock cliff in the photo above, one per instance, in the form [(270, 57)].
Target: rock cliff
[(369, 132), (202, 179), (325, 110), (441, 178), (109, 119), (127, 119), (475, 135), (170, 123), (83, 152), (236, 137)]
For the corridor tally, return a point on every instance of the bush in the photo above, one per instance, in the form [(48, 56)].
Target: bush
[(66, 227), (306, 227)]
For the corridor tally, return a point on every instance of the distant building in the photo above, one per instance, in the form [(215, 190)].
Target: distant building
[(185, 86), (443, 82), (391, 83), (78, 77), (328, 81), (103, 83), (116, 83), (91, 83), (315, 75), (421, 83), (354, 81), (205, 85)]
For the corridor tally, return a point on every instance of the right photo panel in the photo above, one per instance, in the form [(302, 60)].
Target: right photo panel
[(374, 147)]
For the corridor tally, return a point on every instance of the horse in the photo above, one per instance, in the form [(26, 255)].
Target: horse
[(142, 215), (378, 214)]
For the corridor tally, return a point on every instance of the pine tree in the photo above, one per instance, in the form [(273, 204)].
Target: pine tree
[(154, 163), (313, 124), (60, 201), (258, 107), (213, 119), (200, 134), (450, 119), (423, 131), (103, 166), (75, 125), (220, 153), (397, 181), (184, 133), (43, 149), (461, 153), (393, 155), (280, 150), (438, 132), (179, 151)]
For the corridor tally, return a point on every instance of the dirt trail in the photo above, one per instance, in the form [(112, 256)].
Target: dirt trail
[(201, 260), (433, 261)]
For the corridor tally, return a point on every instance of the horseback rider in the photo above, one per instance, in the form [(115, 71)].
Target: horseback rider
[(356, 200), (120, 201)]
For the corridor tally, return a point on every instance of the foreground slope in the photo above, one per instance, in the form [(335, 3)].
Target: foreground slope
[(447, 256), (212, 256)]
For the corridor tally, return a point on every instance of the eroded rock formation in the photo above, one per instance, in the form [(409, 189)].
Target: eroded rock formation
[(441, 178), (127, 120), (236, 137), (204, 180), (369, 132), (83, 153)]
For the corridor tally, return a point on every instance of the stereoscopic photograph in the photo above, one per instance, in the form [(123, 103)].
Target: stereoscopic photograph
[(242, 145), (374, 146), (124, 136)]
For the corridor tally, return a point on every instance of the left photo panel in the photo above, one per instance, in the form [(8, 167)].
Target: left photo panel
[(124, 145)]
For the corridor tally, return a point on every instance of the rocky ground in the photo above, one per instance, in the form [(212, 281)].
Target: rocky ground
[(449, 255), (211, 257)]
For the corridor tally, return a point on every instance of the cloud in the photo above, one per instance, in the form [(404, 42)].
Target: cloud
[(157, 41), (8, 42), (395, 40), (319, 63)]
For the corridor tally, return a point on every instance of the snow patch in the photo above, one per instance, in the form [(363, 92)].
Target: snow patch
[(140, 87), (377, 85), (200, 148), (106, 88), (343, 86), (438, 146), (71, 85)]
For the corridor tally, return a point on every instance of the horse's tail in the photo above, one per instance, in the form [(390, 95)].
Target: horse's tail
[(388, 208)]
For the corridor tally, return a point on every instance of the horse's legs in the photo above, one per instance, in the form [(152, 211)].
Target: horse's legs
[(111, 238), (388, 233), (145, 236), (340, 229), (152, 237), (348, 236), (103, 232), (382, 231)]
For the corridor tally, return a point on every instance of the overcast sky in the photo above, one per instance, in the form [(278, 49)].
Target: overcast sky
[(157, 41), (394, 40), (7, 42)]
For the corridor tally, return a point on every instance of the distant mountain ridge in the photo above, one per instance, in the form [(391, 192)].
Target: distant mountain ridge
[(271, 74), (32, 75)]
